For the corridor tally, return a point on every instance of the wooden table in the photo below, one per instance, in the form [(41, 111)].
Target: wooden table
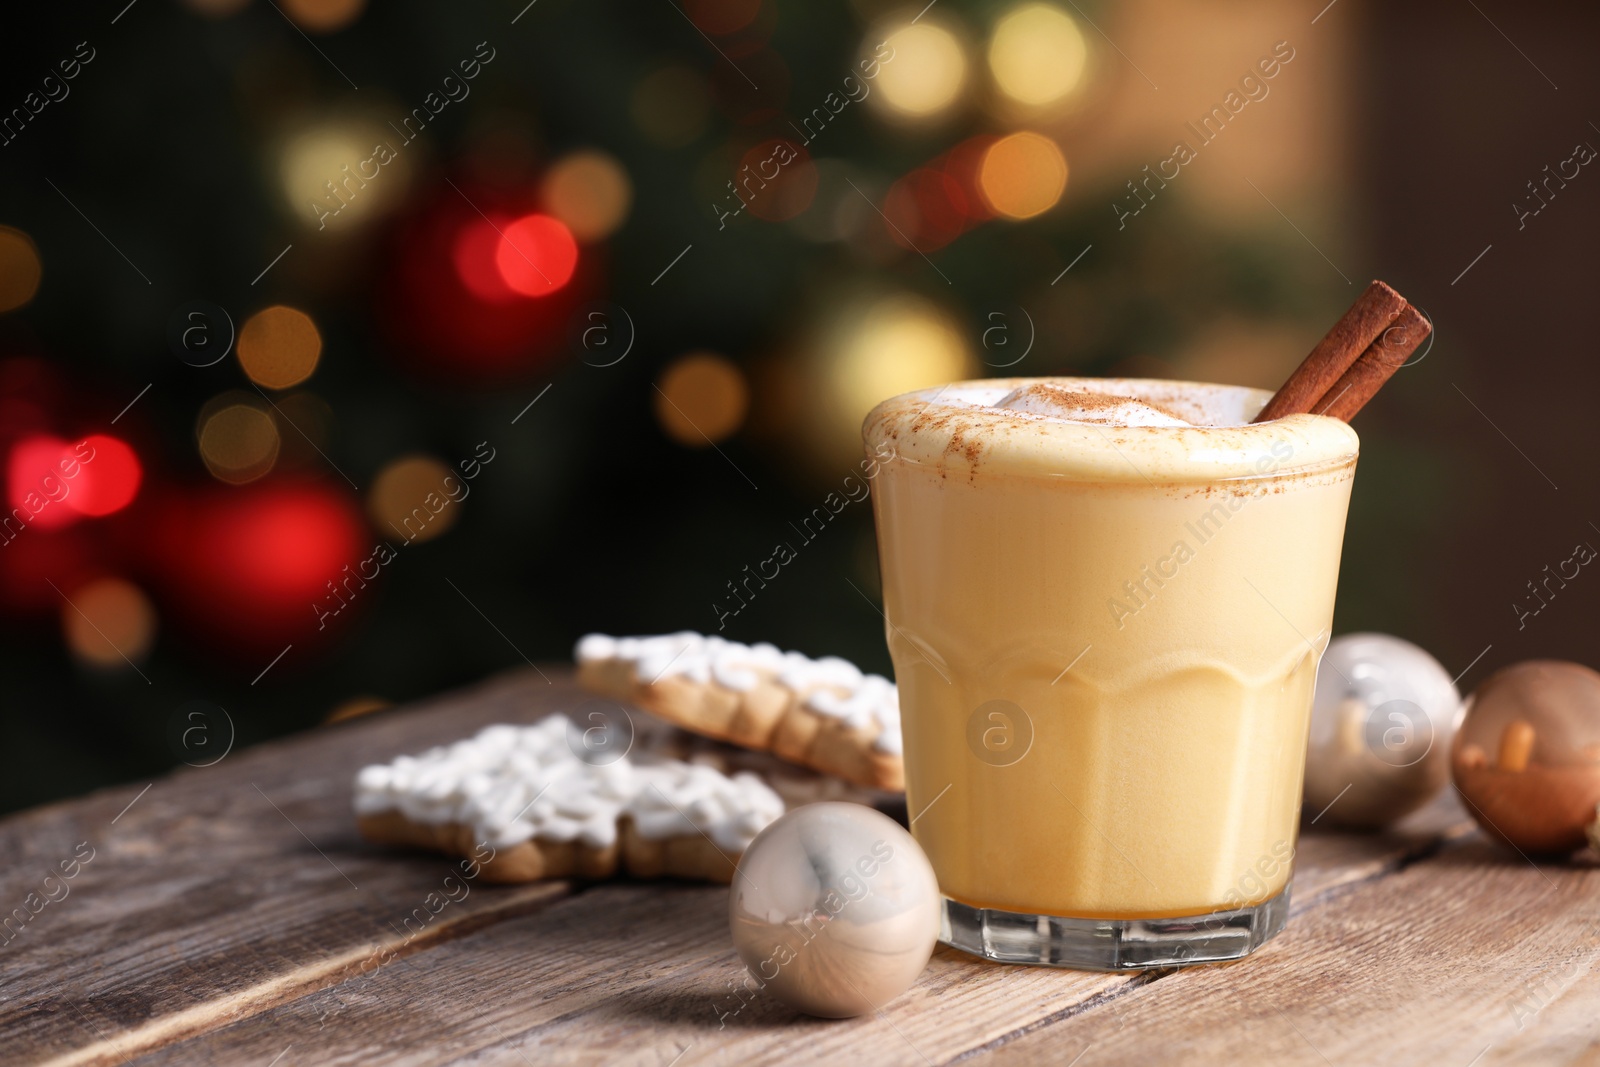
[(231, 915)]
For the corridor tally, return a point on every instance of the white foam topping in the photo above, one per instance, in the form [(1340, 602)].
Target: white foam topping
[(829, 686), (1104, 429), (512, 784), (1069, 405)]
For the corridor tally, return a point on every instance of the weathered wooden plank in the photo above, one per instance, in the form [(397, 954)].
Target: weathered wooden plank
[(637, 974), (1469, 956), (223, 890), (1555, 1015)]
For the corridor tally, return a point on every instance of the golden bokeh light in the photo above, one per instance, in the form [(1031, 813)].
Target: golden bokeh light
[(416, 498), (20, 269), (108, 623), (279, 347), (671, 105), (323, 16), (1023, 174), (590, 192), (925, 73), (343, 172), (238, 441), (899, 343), (701, 399), (861, 345), (1037, 54)]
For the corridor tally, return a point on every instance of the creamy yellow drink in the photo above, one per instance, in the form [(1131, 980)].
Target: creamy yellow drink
[(1106, 604)]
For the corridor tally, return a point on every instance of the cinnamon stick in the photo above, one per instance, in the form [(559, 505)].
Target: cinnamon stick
[(1373, 312), (1381, 359)]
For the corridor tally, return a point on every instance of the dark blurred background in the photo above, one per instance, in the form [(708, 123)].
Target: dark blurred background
[(349, 353)]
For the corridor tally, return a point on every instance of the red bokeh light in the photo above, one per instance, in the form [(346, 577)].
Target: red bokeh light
[(108, 478), (282, 546), (962, 163), (447, 311), (939, 201), (474, 258), (247, 567), (37, 485), (537, 255), (54, 481), (926, 209)]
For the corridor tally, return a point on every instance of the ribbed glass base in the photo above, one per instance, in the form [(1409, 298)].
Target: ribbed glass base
[(1112, 944)]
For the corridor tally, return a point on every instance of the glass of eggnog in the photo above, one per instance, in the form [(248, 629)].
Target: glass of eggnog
[(1106, 602)]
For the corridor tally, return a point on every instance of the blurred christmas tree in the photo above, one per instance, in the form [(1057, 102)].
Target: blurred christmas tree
[(420, 339)]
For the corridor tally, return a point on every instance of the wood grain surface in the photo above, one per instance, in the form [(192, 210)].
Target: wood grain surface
[(231, 915)]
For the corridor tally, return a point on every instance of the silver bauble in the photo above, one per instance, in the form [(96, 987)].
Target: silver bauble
[(1382, 720), (834, 910)]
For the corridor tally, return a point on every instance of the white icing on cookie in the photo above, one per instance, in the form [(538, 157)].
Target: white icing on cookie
[(869, 700), (518, 783)]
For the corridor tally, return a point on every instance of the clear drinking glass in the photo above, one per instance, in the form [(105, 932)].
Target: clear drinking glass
[(1106, 640)]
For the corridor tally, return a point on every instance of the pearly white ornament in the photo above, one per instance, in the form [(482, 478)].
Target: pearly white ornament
[(1382, 720), (834, 909)]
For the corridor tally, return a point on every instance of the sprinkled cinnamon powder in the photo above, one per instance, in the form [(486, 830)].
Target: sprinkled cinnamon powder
[(1086, 402)]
